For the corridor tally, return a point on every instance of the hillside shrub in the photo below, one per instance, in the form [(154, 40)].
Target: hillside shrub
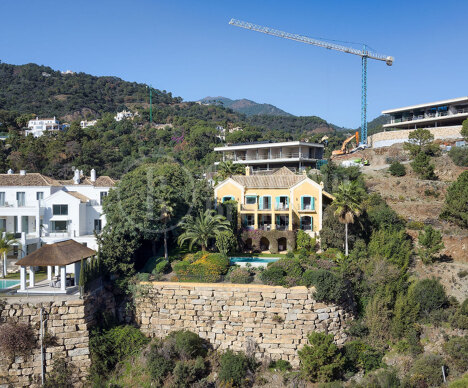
[(457, 349), (397, 169), (427, 371), (430, 242), (158, 366), (459, 320), (321, 360), (304, 241), (406, 313), (460, 383), (359, 355), (16, 339), (273, 276), (240, 276), (204, 267), (61, 375), (187, 372), (429, 294), (456, 202), (377, 318), (392, 245), (111, 346), (422, 166), (280, 365), (459, 156), (329, 288), (188, 345), (233, 368), (387, 378), (161, 266)]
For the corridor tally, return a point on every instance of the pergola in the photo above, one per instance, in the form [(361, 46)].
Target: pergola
[(58, 255)]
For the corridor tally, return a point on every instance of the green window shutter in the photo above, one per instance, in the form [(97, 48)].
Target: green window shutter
[(302, 206), (313, 203), (287, 202), (301, 222), (277, 202), (260, 203), (277, 220), (312, 223)]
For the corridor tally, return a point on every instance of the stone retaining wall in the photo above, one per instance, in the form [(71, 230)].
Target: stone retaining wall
[(68, 322), (272, 322), (386, 139)]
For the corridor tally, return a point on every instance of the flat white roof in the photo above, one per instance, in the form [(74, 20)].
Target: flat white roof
[(267, 145), (436, 103)]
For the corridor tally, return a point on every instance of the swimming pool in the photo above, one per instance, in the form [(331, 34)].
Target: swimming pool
[(255, 261), (8, 283)]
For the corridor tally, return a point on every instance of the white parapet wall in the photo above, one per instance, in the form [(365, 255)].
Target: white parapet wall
[(386, 139)]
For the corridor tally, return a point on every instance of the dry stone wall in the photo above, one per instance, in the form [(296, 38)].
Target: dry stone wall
[(67, 329), (272, 322)]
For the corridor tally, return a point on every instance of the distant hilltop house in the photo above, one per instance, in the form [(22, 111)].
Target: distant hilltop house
[(38, 126), (67, 72), (442, 118), (223, 131), (86, 124), (125, 115)]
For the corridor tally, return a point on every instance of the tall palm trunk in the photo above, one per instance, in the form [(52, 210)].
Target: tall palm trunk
[(166, 256), (346, 239), (4, 266)]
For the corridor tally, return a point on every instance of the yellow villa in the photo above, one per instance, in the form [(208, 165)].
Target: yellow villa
[(281, 201)]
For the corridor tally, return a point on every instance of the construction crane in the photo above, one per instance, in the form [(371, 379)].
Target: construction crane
[(364, 54)]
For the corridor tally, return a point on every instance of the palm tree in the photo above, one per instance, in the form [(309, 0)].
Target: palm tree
[(166, 213), (348, 204), (201, 229), (228, 168), (6, 244)]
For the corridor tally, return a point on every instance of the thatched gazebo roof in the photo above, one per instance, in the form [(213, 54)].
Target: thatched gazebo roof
[(60, 253)]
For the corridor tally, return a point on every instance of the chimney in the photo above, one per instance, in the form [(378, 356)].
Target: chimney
[(81, 172), (321, 184), (76, 177), (22, 172), (93, 175), (10, 172), (248, 171)]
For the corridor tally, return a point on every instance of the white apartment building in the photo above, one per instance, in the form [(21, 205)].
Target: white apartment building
[(124, 115), (38, 126), (261, 156), (86, 124), (41, 210), (445, 113)]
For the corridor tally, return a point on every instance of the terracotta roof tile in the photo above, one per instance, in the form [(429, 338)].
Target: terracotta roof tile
[(81, 197), (29, 179), (269, 181), (101, 181)]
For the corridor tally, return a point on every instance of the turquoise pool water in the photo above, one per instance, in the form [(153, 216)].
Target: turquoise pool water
[(253, 260), (8, 283)]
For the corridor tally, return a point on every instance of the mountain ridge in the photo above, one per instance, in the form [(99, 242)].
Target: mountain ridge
[(245, 106)]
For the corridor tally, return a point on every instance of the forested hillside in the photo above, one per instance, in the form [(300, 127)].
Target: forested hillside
[(244, 106), (45, 92)]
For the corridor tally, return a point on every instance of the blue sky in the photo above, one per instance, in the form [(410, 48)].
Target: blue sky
[(188, 48)]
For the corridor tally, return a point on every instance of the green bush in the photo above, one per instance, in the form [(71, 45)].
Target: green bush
[(109, 347), (158, 366), (280, 365), (321, 360), (161, 267), (460, 383), (397, 169), (143, 277), (359, 355), (61, 375), (188, 345), (456, 201), (427, 369), (405, 314), (429, 294), (460, 318), (457, 349), (226, 242), (304, 241), (430, 241), (392, 245), (240, 276), (273, 276), (422, 166), (329, 288), (201, 267), (187, 372), (459, 156), (383, 378), (415, 225), (233, 368)]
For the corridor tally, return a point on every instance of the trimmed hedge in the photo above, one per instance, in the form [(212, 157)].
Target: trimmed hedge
[(204, 268)]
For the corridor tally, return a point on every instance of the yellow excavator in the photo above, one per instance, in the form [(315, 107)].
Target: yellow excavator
[(344, 149)]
